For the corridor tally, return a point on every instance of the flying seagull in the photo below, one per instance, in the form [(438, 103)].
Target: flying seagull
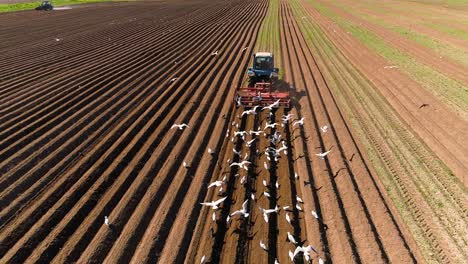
[(216, 183), (299, 122), (291, 238), (263, 246), (322, 155), (180, 127), (214, 204), (242, 211)]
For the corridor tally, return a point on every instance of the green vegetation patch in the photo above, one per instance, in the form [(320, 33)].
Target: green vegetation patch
[(452, 92), (444, 49), (269, 35), (455, 32), (32, 5)]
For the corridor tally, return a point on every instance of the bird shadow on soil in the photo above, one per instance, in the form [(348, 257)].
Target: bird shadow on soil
[(282, 86)]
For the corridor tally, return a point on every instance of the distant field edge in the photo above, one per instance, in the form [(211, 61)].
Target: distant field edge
[(31, 5)]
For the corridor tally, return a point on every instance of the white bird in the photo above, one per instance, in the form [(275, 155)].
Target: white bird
[(265, 165), (214, 53), (242, 164), (242, 211), (286, 118), (307, 256), (297, 250), (210, 151), (299, 199), (309, 248), (106, 220), (242, 181), (277, 185), (214, 204), (252, 196), (265, 183), (298, 207), (270, 107), (248, 112), (270, 125), (324, 129), (322, 155), (320, 261), (291, 238), (213, 216), (244, 49), (286, 207), (255, 132), (263, 246), (172, 80), (266, 194), (238, 153), (216, 183), (276, 261), (288, 218), (315, 214), (250, 142), (180, 127), (239, 100), (185, 164), (291, 255), (220, 190), (228, 218), (57, 39), (269, 211), (299, 122), (202, 261), (296, 176), (240, 133), (265, 217)]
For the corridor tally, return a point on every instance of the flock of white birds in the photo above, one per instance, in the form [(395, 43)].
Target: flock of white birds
[(271, 154)]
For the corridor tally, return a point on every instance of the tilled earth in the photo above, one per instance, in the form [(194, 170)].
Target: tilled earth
[(87, 104)]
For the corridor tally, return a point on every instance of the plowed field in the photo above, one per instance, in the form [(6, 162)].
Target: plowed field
[(88, 98)]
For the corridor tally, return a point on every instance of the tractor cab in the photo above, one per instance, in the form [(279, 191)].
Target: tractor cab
[(261, 90), (45, 6), (263, 69)]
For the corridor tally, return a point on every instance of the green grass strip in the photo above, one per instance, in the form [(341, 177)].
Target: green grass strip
[(444, 49), (269, 35), (452, 92), (32, 5)]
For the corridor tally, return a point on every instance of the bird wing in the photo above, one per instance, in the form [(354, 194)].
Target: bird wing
[(236, 212), (244, 205), (220, 200), (297, 250), (265, 217), (173, 126)]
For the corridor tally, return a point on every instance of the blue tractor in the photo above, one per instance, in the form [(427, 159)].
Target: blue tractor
[(263, 69), (261, 90)]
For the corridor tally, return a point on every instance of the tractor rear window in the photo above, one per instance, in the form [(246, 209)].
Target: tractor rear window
[(263, 63)]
